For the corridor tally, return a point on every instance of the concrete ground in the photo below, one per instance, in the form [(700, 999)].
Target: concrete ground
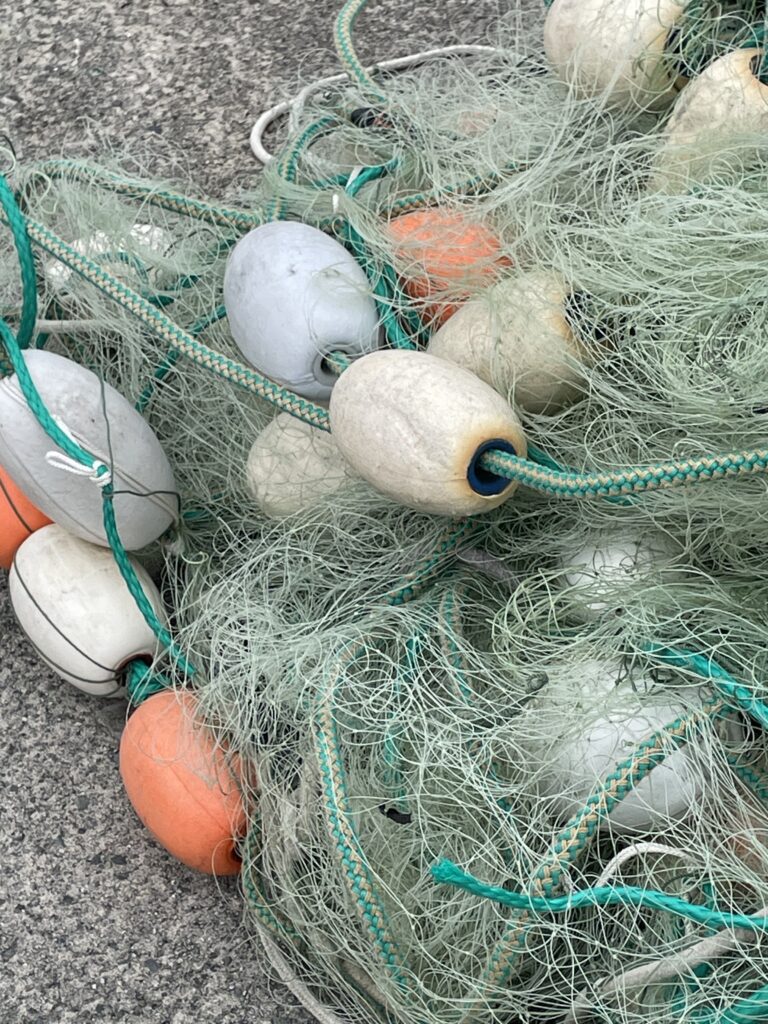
[(97, 924)]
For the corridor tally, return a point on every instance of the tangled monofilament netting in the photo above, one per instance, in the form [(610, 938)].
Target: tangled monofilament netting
[(413, 696)]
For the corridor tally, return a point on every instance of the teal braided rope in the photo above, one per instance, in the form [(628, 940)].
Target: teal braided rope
[(429, 568), (164, 328), (18, 226), (288, 164), (601, 896), (255, 898), (338, 812), (580, 831), (633, 480), (174, 355), (141, 682), (345, 23), (241, 220), (128, 573), (449, 628), (734, 692)]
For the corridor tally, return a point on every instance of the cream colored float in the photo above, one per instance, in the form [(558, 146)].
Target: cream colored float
[(615, 48), (726, 101), (574, 767), (610, 565), (414, 426), (106, 426), (294, 295), (516, 337), (75, 608), (292, 466), (145, 241)]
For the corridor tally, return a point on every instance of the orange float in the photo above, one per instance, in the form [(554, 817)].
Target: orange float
[(437, 251), (180, 784), (18, 519)]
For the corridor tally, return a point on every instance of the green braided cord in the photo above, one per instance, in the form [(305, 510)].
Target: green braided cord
[(600, 896), (172, 357), (345, 22), (26, 260), (288, 164), (382, 285), (449, 627), (141, 682), (733, 691), (338, 812), (128, 573), (433, 565), (757, 782), (579, 832), (242, 220), (165, 329), (633, 480), (476, 186), (256, 899)]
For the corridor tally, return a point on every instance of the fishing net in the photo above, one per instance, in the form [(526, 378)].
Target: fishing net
[(508, 767)]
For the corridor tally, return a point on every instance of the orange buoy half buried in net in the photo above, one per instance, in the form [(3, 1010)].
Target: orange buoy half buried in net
[(180, 784), (18, 519), (441, 252)]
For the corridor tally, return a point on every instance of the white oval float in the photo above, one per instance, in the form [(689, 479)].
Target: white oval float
[(701, 137), (614, 48), (414, 426), (578, 766), (611, 562), (516, 337), (293, 295), (76, 610), (293, 465), (144, 240), (104, 424)]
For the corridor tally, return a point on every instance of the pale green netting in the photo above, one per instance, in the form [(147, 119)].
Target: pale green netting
[(400, 705)]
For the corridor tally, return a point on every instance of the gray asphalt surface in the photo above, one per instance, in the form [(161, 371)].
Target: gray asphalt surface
[(97, 924)]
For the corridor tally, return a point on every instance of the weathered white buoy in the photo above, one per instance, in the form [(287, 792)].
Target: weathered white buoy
[(516, 337), (609, 564), (415, 426), (725, 101), (75, 608), (293, 465), (293, 294), (104, 424), (614, 48), (144, 240), (576, 767)]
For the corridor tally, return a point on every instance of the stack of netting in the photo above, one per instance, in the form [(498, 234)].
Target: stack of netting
[(470, 689)]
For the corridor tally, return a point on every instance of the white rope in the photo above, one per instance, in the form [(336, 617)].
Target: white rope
[(296, 987), (634, 851), (294, 106)]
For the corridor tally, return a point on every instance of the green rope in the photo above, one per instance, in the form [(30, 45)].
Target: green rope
[(173, 335), (633, 480), (197, 209), (141, 682), (255, 898), (580, 831), (336, 803), (704, 666), (18, 226), (601, 896), (345, 23)]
